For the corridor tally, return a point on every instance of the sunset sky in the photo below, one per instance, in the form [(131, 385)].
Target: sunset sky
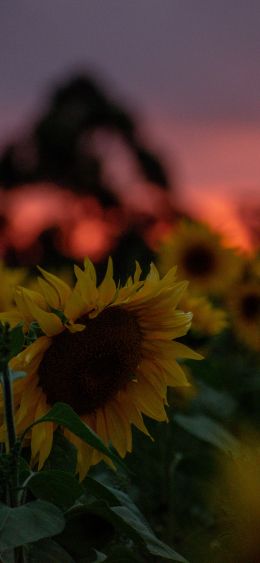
[(190, 71)]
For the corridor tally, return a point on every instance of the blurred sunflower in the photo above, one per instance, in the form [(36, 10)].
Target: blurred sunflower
[(207, 319), (9, 278), (201, 257), (108, 352), (244, 306), (255, 267), (236, 497)]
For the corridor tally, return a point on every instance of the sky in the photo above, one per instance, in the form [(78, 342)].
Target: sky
[(189, 69)]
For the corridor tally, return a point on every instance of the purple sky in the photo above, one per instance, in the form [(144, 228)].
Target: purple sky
[(190, 67)]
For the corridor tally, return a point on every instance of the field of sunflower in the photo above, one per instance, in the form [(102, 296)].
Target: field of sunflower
[(117, 444)]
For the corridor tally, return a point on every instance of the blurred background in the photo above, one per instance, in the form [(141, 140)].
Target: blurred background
[(117, 118)]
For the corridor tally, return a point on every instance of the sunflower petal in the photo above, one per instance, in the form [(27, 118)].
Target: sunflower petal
[(49, 293), (75, 306), (59, 285), (107, 288), (182, 351), (48, 322), (115, 429)]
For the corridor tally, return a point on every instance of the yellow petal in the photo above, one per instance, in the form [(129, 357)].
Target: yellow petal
[(90, 270), (148, 370), (147, 400), (125, 423), (48, 322), (28, 359), (12, 317), (22, 306), (115, 429), (59, 285), (153, 275), (86, 287), (49, 293), (34, 296), (182, 351), (75, 306), (46, 446), (131, 411), (42, 434), (30, 397), (84, 453), (73, 327), (101, 427), (138, 272), (175, 376), (107, 288)]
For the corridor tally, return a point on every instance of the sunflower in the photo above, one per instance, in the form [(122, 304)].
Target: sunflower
[(9, 278), (236, 496), (254, 267), (244, 307), (106, 351), (201, 257), (207, 319)]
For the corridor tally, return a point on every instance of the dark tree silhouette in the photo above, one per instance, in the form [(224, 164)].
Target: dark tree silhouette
[(60, 148)]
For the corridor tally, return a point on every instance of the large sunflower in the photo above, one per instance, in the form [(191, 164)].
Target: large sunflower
[(108, 352), (244, 306), (201, 257)]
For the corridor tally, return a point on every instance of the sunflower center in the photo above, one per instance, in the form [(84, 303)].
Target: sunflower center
[(250, 306), (199, 260), (86, 369)]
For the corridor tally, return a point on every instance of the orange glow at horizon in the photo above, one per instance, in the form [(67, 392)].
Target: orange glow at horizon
[(86, 229), (220, 212)]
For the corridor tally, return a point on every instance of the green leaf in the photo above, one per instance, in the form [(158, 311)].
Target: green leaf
[(208, 430), (217, 403), (33, 333), (28, 523), (129, 519), (47, 551), (101, 491), (24, 470), (57, 487), (8, 556), (135, 527), (64, 415), (63, 454), (60, 315), (111, 495), (100, 557)]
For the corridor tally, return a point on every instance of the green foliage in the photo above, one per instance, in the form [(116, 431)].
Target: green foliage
[(16, 342), (24, 524), (33, 333), (58, 487), (47, 551), (206, 429), (125, 516), (11, 342)]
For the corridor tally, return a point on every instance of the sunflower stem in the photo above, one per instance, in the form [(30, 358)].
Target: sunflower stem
[(8, 403)]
